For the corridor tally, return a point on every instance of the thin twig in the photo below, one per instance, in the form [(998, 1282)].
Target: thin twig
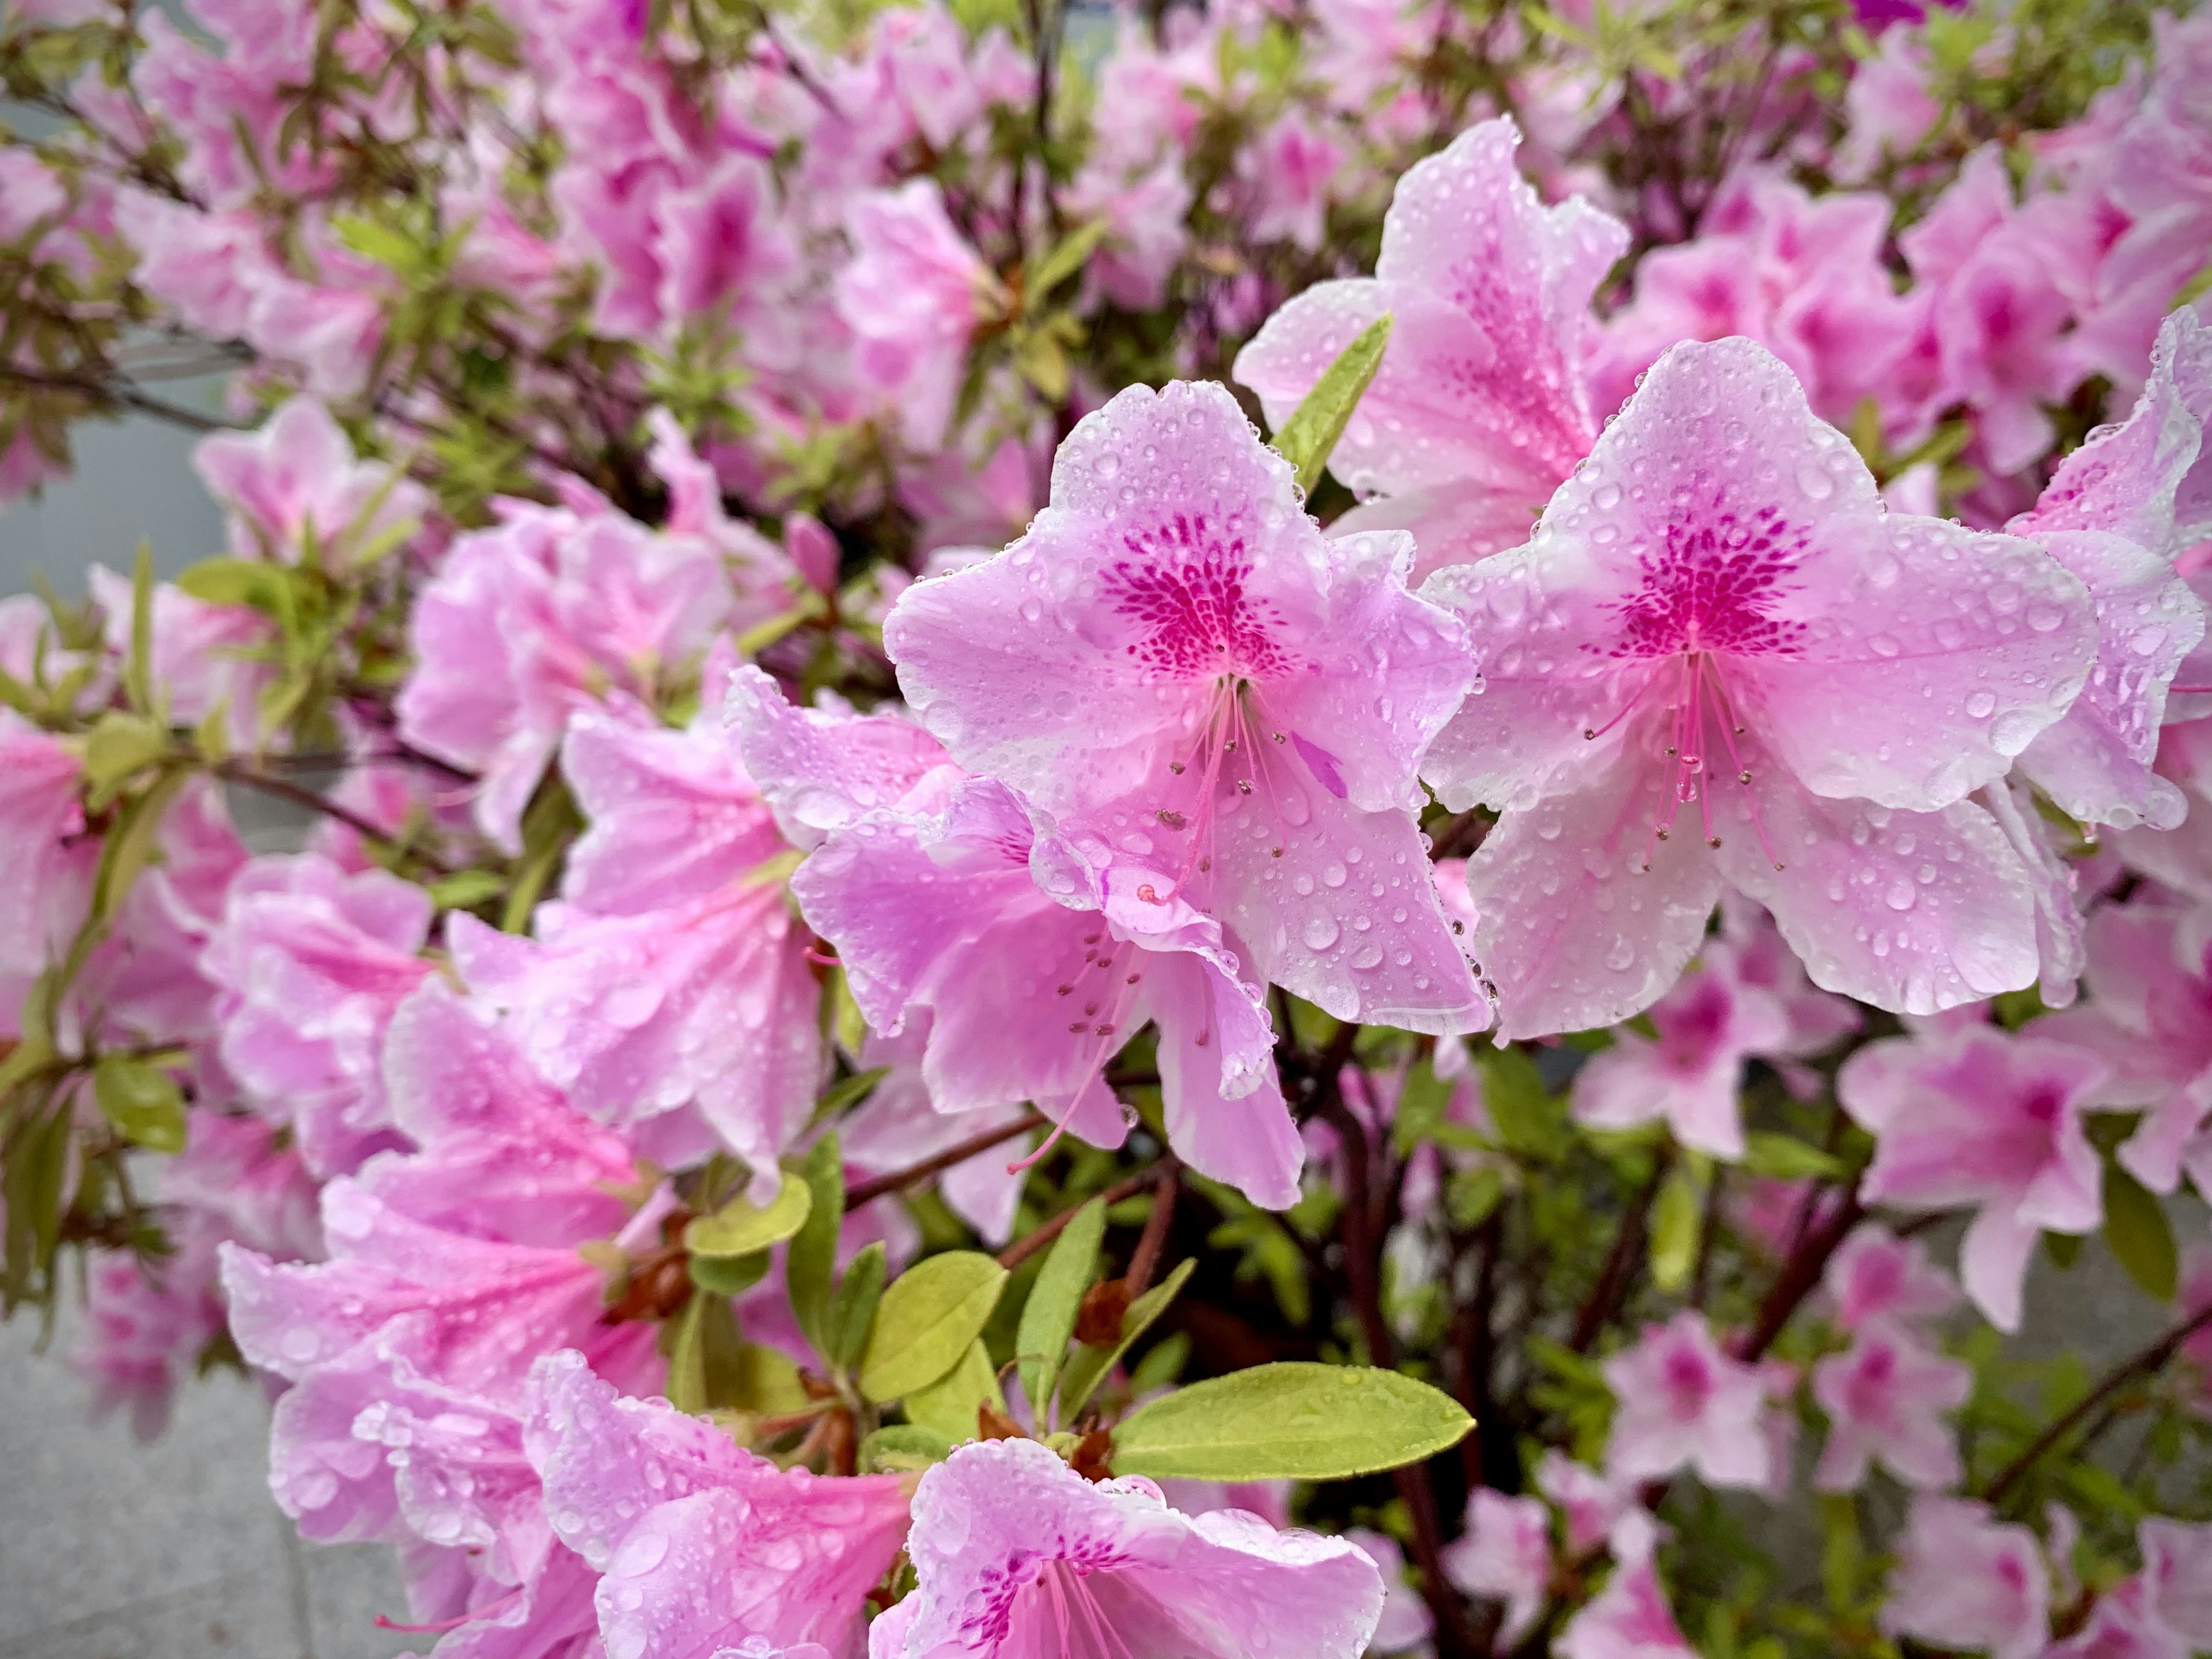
[(1030, 1242), (960, 1152), (1799, 1274), (2148, 1363), (314, 801), (1611, 1289), (1154, 1238)]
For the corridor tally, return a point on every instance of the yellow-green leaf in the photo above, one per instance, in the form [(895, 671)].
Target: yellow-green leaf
[(929, 1315), (1049, 1315), (2136, 1229), (948, 1405), (118, 746), (140, 1101), (741, 1227), (1294, 1420), (1674, 1219)]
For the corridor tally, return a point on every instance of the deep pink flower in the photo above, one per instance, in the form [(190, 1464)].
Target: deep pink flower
[(1721, 663), (702, 1545), (1978, 1117), (1709, 1026), (463, 1256), (1505, 1556), (1963, 1581), (1875, 1275), (1680, 1402), (1018, 1557), (1885, 1398), (310, 963), (1479, 409), (2108, 515), (1211, 705), (1629, 1619)]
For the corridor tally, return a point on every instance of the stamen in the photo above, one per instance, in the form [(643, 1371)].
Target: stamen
[(490, 1609)]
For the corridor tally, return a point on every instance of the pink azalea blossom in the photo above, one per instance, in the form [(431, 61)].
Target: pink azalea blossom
[(463, 1253), (2149, 1019), (1629, 1619), (1709, 1026), (1407, 1623), (1979, 1118), (1680, 1402), (204, 656), (1288, 173), (1211, 705), (46, 859), (1885, 1398), (1590, 1504), (2123, 1625), (310, 964), (668, 991), (910, 296), (1963, 1581), (1875, 1275), (536, 617), (2177, 1574), (702, 1545), (2108, 516), (1018, 1557), (1146, 233), (1683, 685), (898, 1127), (1479, 410), (1505, 1556)]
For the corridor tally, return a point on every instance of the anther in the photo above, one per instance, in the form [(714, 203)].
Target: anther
[(1080, 1025), (1093, 938), (1090, 1007), (1132, 979), (1279, 738), (1230, 747), (1589, 734), (1743, 776), (1173, 820), (1105, 1031), (1175, 767), (1778, 864), (1662, 835), (1065, 990), (1205, 865), (1714, 842), (1146, 893), (1243, 785), (1274, 852), (1201, 1039)]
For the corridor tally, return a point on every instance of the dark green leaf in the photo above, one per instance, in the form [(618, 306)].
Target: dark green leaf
[(810, 1264), (1292, 1420), (1308, 439), (729, 1275), (2139, 1234), (1529, 1120), (849, 1091)]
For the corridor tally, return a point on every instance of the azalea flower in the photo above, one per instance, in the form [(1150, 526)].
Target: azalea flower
[(1479, 409), (1683, 1403), (1504, 1556), (1963, 1581), (1017, 1555), (1885, 1398), (703, 1547), (1630, 1618), (1216, 711), (1721, 663), (294, 482), (1874, 1275), (1979, 1117)]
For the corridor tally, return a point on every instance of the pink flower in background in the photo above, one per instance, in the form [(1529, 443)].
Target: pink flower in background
[(545, 614), (1876, 1276), (1183, 678), (1016, 1554), (1963, 1581), (1976, 1117), (2149, 1019), (461, 1256), (1287, 174), (1885, 1399), (899, 1127), (1709, 1026), (1680, 1402), (204, 656), (1721, 663), (310, 963), (2108, 515), (1629, 1619), (1504, 1556), (2177, 1576), (1590, 1504), (1479, 410), (46, 859), (1406, 1623), (702, 1545), (911, 296)]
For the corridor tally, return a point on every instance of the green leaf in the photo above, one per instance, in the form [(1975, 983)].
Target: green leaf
[(851, 1312), (929, 1316), (1674, 1227), (729, 1275), (131, 843), (2139, 1234), (1065, 260), (849, 1091), (140, 1101), (118, 746), (1090, 1365), (756, 1377), (138, 675), (686, 1358), (1292, 1420), (1049, 1315), (741, 1227), (904, 1448), (1785, 1157), (810, 1265), (948, 1405), (466, 889), (234, 581), (1527, 1119), (1308, 439)]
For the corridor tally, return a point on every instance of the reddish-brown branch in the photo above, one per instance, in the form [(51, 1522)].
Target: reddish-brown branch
[(959, 1152), (1030, 1244)]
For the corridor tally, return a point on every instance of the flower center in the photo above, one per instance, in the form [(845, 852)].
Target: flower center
[(1183, 588)]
